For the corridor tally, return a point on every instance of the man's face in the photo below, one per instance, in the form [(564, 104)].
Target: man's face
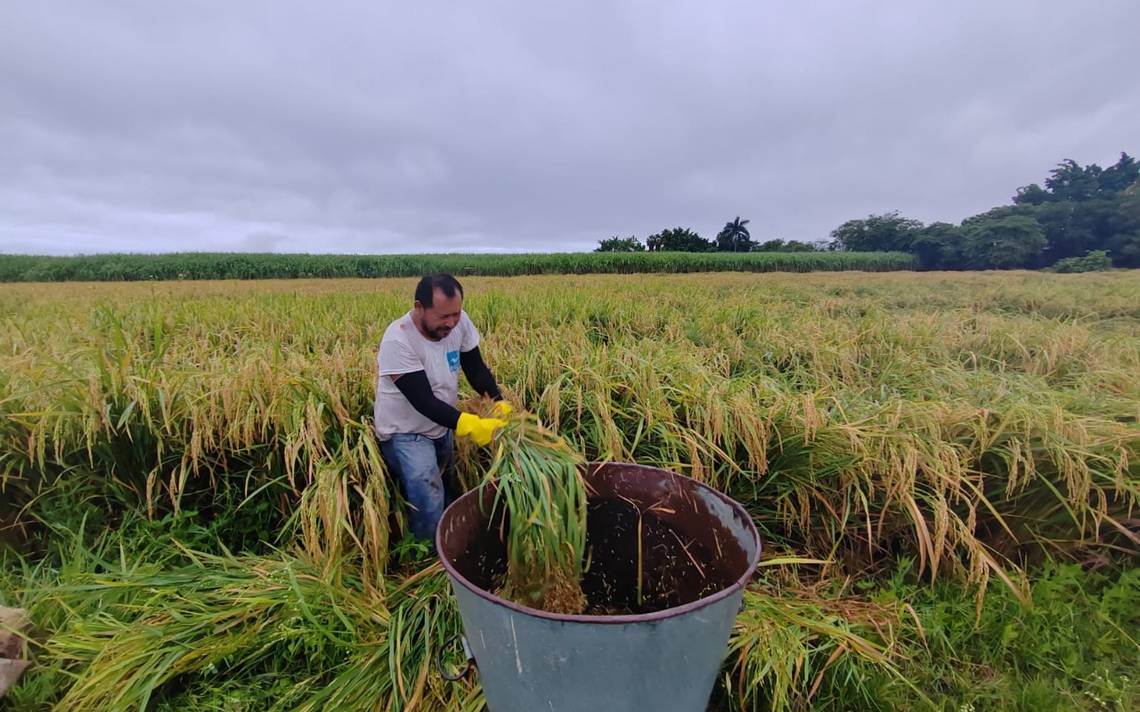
[(437, 321)]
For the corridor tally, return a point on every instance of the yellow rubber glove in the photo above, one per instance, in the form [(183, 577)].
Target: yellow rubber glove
[(502, 409), (481, 430)]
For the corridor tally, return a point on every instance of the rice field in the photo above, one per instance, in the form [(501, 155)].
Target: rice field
[(944, 469)]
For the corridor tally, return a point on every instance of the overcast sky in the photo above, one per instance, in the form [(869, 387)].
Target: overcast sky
[(484, 126)]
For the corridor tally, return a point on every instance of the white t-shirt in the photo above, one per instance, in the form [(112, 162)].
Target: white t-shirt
[(403, 349)]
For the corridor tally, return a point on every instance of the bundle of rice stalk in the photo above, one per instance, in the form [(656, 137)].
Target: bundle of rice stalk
[(793, 648), (154, 633), (537, 480)]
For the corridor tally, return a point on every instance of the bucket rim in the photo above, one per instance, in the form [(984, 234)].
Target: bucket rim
[(628, 618)]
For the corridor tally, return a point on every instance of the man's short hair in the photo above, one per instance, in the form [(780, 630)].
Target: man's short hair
[(425, 290)]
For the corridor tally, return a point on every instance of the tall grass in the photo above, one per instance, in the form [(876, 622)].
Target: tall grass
[(136, 636), (847, 423), (981, 424)]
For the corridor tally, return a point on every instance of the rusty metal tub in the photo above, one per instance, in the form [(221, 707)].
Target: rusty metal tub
[(669, 558)]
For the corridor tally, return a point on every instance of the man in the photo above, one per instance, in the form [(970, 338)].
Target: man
[(416, 393)]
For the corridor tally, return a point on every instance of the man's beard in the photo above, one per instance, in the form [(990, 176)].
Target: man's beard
[(434, 334)]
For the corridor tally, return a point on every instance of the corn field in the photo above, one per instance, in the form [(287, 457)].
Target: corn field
[(194, 510), (205, 265)]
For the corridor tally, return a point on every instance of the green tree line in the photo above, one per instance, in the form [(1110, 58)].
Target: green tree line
[(1083, 218), (1082, 215), (735, 237)]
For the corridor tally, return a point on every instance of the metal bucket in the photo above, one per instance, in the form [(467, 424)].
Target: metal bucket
[(670, 553)]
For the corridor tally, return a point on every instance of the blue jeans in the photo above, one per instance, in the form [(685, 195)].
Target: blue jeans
[(425, 467)]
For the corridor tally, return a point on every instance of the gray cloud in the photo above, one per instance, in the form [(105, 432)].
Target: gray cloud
[(492, 126)]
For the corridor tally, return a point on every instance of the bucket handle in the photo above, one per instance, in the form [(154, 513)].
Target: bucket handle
[(467, 668)]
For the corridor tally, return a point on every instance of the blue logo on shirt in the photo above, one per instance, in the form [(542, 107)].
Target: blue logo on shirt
[(453, 361)]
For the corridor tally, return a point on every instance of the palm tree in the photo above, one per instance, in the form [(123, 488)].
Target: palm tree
[(734, 237)]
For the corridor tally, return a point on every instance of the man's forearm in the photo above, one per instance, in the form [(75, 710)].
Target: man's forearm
[(417, 389), (478, 374)]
